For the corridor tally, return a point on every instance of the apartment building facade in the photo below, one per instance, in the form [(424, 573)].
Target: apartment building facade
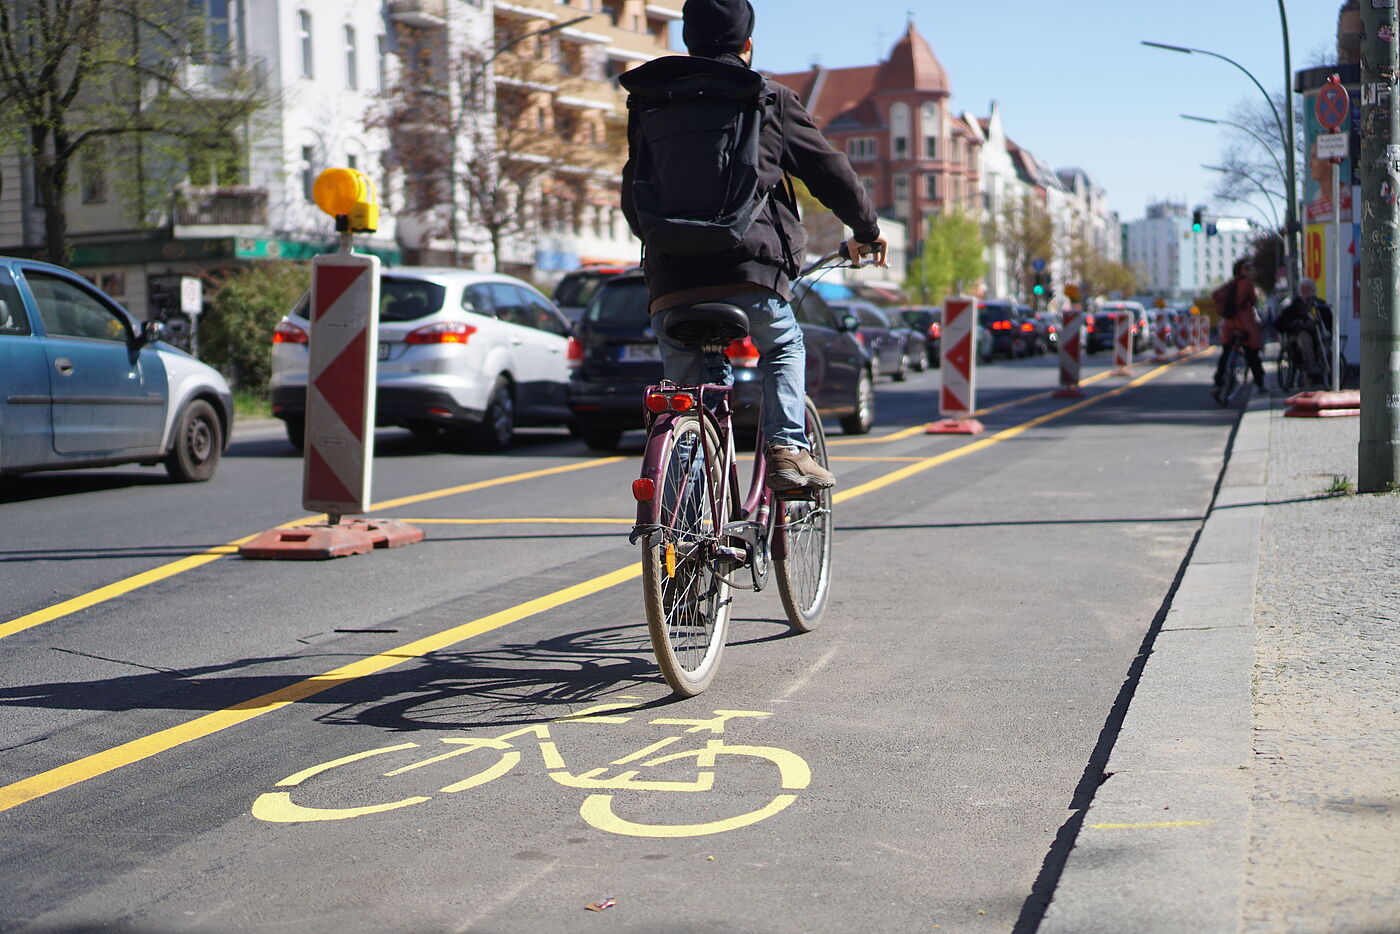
[(1178, 264)]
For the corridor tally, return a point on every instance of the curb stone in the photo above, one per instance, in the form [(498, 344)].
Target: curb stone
[(1163, 844)]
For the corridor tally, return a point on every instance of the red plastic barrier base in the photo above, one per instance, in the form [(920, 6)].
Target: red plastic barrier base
[(1123, 371), (321, 542), (1067, 392), (1346, 399), (1303, 411), (1162, 358), (956, 426)]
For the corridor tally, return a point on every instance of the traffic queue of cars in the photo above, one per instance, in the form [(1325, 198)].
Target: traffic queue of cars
[(463, 354)]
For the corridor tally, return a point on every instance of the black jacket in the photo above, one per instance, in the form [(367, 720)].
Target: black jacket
[(790, 143)]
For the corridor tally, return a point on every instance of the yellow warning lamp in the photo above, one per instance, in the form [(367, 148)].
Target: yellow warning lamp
[(349, 196), (1195, 310), (1071, 292), (1160, 303)]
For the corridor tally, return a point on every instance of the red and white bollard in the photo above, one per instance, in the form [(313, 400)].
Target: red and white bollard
[(1160, 335), (1071, 344), (1123, 343), (1202, 332), (958, 398)]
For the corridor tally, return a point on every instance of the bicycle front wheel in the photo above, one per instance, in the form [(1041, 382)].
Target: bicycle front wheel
[(686, 594), (1235, 375), (804, 568), (1286, 371)]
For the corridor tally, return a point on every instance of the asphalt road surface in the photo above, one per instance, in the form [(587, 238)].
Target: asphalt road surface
[(469, 734)]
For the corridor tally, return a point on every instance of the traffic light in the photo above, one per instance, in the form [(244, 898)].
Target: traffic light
[(1196, 220), (1211, 229)]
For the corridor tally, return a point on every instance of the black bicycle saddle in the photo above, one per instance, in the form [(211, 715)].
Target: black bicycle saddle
[(706, 325)]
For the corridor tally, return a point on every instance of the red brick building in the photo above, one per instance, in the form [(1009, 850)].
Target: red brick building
[(893, 120)]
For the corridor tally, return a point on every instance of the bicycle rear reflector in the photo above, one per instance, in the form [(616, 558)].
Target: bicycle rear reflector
[(643, 490), (656, 402), (679, 402), (682, 402)]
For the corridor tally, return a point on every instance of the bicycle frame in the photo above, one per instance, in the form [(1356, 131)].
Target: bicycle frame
[(753, 523)]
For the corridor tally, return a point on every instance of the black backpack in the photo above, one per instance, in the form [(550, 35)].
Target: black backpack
[(695, 182)]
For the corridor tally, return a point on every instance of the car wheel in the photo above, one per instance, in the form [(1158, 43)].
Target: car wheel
[(901, 372), (599, 437), (296, 431), (862, 419), (498, 423), (198, 442), (921, 359)]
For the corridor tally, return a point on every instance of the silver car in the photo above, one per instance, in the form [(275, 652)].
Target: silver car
[(83, 384), (471, 351)]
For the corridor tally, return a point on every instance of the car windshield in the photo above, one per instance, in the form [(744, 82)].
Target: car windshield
[(578, 290), (408, 299), (621, 304), (994, 313)]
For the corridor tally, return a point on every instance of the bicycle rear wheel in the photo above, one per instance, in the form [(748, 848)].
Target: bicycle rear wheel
[(804, 570), (1235, 375), (687, 597), (1286, 372)]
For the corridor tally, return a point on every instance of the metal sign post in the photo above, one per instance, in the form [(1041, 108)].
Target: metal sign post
[(1333, 108)]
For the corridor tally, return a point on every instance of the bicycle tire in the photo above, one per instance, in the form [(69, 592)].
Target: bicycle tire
[(687, 599), (1286, 370), (1236, 374), (804, 571)]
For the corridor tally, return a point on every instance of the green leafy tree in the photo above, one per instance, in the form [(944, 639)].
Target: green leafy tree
[(1026, 232), (235, 331), (953, 257)]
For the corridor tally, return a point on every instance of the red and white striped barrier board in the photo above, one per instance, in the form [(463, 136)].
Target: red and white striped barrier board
[(1123, 343), (1071, 346), (958, 398), (1160, 335), (340, 382), (1204, 324)]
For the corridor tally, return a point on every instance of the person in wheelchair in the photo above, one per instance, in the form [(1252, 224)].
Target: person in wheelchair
[(1305, 326)]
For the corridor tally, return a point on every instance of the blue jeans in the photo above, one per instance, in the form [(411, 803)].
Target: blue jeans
[(782, 361)]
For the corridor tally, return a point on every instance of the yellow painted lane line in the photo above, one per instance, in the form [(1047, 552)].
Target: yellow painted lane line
[(913, 430), (1153, 824), (165, 571), (109, 760), (144, 747), (927, 463), (531, 521)]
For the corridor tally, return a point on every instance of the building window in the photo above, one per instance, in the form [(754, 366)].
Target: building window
[(212, 43), (381, 54), (304, 32), (352, 71), (928, 126), (861, 148), (94, 172), (901, 190), (932, 190), (899, 130), (308, 172)]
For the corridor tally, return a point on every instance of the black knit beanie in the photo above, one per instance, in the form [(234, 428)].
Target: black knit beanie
[(713, 26)]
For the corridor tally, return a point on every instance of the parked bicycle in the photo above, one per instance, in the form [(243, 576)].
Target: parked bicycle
[(697, 535)]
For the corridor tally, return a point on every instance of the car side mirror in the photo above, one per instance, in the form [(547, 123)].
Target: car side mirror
[(152, 331), (849, 322)]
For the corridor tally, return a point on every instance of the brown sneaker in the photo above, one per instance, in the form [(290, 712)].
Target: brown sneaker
[(792, 468)]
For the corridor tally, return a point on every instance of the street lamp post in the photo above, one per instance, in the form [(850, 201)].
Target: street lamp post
[(1240, 126), (1268, 195), (1285, 133)]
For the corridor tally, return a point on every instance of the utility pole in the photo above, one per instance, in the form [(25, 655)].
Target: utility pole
[(1378, 455)]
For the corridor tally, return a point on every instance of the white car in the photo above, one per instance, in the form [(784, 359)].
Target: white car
[(83, 384), (478, 352)]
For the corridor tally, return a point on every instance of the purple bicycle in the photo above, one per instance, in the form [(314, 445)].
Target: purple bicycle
[(700, 538)]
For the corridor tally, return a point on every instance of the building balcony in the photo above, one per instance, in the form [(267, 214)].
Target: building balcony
[(212, 77), (219, 211), (419, 14)]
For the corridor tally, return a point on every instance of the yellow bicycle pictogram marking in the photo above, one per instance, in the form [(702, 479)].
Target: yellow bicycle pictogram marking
[(600, 808)]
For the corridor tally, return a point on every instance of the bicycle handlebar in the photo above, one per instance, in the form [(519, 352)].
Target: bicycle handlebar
[(838, 253)]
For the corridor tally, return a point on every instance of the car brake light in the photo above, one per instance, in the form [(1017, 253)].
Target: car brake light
[(1027, 326), (446, 332), (288, 333), (742, 352), (934, 330), (573, 354), (1001, 325)]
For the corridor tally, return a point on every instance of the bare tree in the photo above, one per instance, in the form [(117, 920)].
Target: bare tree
[(76, 73), (1026, 232), (479, 142)]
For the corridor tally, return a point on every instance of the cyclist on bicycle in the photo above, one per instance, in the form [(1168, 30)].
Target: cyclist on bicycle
[(1306, 321), (756, 275), (1238, 321)]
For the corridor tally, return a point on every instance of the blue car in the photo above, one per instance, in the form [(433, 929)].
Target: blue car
[(84, 384)]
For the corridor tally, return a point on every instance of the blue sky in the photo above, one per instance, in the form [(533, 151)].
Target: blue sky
[(1074, 84)]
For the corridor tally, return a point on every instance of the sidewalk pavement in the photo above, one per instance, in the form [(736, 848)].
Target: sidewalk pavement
[(1254, 785)]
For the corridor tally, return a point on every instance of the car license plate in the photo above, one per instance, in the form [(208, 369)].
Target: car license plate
[(639, 353), (383, 351)]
